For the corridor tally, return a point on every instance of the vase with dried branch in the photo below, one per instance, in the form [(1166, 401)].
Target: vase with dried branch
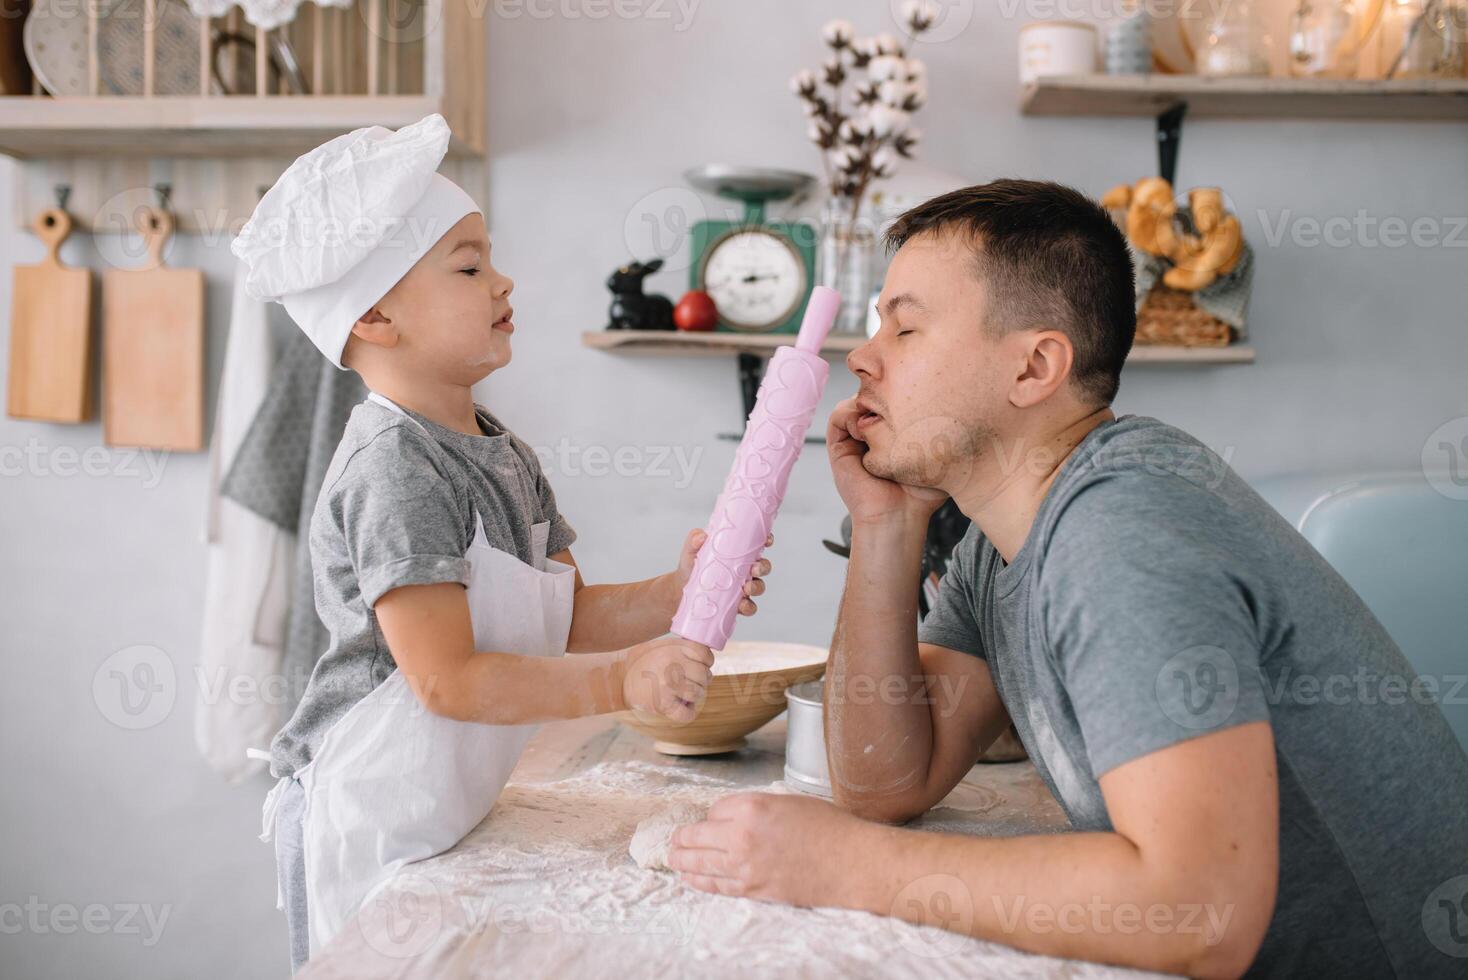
[(860, 106)]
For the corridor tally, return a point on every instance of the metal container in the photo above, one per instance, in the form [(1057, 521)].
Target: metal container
[(805, 740)]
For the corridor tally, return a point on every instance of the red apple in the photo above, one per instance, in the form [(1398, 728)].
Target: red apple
[(696, 311)]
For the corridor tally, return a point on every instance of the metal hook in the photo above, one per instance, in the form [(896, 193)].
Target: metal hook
[(1169, 137), (63, 194), (164, 192)]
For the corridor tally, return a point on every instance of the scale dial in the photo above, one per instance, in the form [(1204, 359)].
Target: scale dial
[(756, 278)]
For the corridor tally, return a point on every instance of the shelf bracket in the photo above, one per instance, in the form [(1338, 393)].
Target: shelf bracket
[(751, 373), (1169, 136)]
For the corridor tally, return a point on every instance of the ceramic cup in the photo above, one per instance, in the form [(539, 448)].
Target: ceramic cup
[(1056, 47)]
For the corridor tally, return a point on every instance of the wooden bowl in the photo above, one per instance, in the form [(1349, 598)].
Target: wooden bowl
[(747, 690)]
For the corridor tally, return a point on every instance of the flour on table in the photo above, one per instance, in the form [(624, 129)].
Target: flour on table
[(653, 837), (544, 887)]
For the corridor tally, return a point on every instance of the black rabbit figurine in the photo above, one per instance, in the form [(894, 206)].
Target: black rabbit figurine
[(631, 309)]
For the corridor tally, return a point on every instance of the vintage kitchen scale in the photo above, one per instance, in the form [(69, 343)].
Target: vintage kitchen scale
[(759, 273)]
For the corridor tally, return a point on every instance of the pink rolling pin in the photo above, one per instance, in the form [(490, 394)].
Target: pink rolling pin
[(745, 511)]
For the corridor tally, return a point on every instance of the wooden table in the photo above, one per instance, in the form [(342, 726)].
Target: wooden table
[(544, 886)]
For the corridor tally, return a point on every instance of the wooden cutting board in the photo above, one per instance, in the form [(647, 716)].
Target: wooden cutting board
[(51, 333), (153, 348)]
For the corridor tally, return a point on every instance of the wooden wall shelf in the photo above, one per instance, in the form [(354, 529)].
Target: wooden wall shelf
[(659, 343), (1162, 354), (665, 343), (1280, 98), (199, 126)]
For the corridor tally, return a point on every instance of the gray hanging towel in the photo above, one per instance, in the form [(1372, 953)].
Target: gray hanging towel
[(278, 473)]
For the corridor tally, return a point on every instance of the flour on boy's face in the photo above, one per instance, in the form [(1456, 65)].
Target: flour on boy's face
[(453, 307)]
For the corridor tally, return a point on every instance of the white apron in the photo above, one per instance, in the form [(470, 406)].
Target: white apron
[(392, 783)]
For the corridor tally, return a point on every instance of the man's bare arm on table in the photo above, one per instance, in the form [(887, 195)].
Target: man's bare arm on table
[(904, 721)]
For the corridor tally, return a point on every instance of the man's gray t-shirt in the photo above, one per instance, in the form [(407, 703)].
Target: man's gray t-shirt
[(398, 507), (1156, 598)]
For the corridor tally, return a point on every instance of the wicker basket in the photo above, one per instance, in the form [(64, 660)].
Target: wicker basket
[(1169, 316)]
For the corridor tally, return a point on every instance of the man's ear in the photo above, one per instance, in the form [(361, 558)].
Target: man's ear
[(1047, 363), (376, 329)]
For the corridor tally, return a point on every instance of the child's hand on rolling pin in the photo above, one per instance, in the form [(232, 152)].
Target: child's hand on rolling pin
[(668, 676), (753, 586)]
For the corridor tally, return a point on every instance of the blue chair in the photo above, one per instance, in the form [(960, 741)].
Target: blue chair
[(1403, 547)]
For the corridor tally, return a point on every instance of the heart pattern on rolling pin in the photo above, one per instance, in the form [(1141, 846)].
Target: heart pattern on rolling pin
[(745, 511), (796, 387)]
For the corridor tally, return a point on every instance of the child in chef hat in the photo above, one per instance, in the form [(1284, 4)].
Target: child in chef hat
[(440, 558)]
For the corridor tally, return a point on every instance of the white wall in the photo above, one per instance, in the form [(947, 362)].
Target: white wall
[(1361, 355)]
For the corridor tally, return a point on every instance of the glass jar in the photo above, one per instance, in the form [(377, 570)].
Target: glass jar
[(1423, 39), (1129, 42), (1323, 39), (1237, 45), (845, 260)]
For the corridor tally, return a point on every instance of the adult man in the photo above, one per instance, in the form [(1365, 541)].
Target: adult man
[(1202, 693)]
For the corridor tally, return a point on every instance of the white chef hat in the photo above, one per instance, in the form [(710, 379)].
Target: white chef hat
[(346, 221)]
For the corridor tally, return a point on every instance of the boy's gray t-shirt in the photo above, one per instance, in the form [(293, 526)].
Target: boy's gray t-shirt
[(1157, 598), (398, 507)]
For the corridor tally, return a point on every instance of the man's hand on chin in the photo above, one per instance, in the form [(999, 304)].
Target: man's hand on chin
[(871, 499), (791, 849)]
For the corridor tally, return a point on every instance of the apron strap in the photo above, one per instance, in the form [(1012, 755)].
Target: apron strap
[(393, 406), (272, 803), (539, 540)]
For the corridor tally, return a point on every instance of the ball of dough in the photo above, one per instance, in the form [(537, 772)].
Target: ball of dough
[(650, 842)]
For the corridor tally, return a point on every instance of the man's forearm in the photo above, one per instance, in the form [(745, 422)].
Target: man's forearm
[(879, 732), (611, 617), (1090, 896)]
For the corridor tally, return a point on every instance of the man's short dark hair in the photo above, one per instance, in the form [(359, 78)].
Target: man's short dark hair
[(1049, 256)]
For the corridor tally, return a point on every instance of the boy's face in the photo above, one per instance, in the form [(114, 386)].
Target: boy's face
[(452, 310)]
